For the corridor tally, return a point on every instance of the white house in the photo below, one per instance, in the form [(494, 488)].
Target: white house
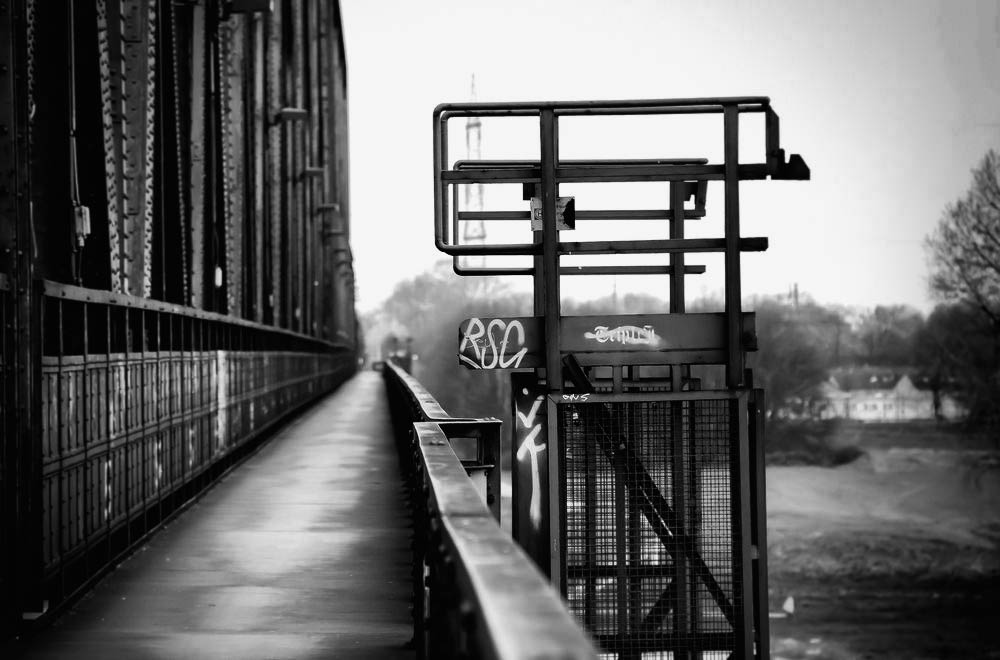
[(881, 395)]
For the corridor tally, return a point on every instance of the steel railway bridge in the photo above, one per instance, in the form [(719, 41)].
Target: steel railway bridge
[(192, 463)]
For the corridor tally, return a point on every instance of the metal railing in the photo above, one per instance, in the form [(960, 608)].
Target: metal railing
[(476, 594), (142, 405)]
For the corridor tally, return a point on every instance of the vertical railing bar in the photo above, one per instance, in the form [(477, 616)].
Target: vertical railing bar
[(127, 435), (144, 439), (734, 325), (759, 502), (107, 499), (590, 539), (633, 536), (681, 451), (740, 515), (621, 525), (86, 439), (61, 513)]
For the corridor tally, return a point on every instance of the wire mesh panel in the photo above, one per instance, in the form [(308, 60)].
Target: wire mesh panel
[(651, 552)]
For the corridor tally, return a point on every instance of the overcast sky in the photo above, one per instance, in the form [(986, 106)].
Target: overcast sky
[(890, 103)]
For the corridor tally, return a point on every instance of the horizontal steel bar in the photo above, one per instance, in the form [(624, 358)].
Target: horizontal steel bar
[(484, 175), (493, 272), (750, 244), (663, 246), (561, 106), (610, 214), (609, 174), (579, 270), (628, 270), (579, 571), (660, 110), (693, 395), (742, 108), (592, 162), (101, 297), (688, 642)]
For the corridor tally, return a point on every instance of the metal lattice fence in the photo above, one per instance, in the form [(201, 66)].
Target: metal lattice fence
[(651, 553)]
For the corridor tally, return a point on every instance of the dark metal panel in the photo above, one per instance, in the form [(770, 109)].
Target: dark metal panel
[(49, 51), (275, 217), (137, 79), (109, 48), (529, 472), (20, 519), (197, 179), (517, 342), (629, 569), (258, 164), (181, 266), (232, 35)]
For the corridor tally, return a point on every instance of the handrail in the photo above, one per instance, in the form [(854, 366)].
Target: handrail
[(425, 406), (185, 393), (99, 296), (476, 593)]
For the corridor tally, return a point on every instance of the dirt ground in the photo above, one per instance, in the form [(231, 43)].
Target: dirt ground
[(892, 556), (895, 555)]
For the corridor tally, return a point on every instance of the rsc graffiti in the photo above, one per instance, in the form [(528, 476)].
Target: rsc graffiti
[(498, 343)]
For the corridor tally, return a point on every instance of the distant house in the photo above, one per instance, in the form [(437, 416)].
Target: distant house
[(883, 395)]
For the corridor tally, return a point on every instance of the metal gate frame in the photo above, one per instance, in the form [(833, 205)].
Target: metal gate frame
[(561, 363), (637, 493)]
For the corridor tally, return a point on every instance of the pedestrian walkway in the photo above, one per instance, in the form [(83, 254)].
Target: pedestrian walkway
[(301, 552)]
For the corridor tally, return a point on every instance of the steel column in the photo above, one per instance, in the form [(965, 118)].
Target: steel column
[(734, 363), (550, 248)]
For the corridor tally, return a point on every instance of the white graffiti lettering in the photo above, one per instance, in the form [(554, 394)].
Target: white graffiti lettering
[(582, 398), (625, 334), (530, 449), (486, 353)]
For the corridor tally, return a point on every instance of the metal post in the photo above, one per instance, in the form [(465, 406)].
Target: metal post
[(759, 524), (679, 486), (741, 516), (550, 248), (734, 326)]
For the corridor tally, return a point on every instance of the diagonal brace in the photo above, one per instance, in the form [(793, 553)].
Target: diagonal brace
[(663, 520)]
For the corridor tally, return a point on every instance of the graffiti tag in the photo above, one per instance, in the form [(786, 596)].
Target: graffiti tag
[(624, 334), (530, 449), (498, 343)]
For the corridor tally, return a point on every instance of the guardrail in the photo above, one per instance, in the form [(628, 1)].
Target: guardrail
[(141, 405), (476, 594)]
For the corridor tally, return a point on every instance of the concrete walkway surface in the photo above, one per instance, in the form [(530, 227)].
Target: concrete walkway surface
[(301, 552)]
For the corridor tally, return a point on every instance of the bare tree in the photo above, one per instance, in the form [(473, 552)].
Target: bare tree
[(965, 247), (965, 254)]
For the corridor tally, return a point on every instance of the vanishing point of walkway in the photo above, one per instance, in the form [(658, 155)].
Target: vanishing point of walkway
[(301, 552)]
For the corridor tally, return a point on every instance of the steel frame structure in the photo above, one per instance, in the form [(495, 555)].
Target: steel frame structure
[(658, 509), (144, 404), (175, 265)]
